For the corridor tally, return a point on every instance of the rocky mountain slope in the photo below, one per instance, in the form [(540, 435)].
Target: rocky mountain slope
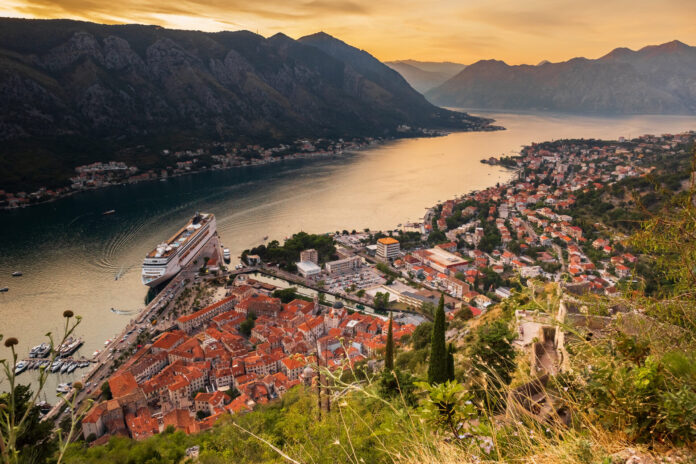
[(425, 75), (654, 80), (74, 92)]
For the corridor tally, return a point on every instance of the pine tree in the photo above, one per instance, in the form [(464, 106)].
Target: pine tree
[(389, 351), (437, 370), (450, 362)]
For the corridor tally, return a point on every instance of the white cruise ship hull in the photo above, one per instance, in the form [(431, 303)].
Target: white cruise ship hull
[(159, 269)]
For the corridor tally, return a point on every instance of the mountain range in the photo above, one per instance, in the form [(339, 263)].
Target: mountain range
[(658, 79), (75, 92), (425, 75)]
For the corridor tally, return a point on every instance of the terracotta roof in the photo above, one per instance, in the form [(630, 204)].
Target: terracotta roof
[(205, 310), (122, 384)]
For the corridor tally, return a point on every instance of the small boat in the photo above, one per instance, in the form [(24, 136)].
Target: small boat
[(63, 388), (4, 289), (226, 254), (69, 346), (40, 351), (55, 367), (122, 311), (17, 274), (44, 407), (64, 368), (72, 368), (106, 213), (20, 367)]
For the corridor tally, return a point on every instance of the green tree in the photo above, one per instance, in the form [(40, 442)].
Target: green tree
[(246, 326), (420, 338), (389, 351), (465, 313), (106, 391), (35, 440), (397, 384), (286, 295), (381, 301), (428, 309), (493, 355), (437, 369), (450, 362)]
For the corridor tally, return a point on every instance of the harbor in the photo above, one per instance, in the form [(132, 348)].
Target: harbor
[(153, 319)]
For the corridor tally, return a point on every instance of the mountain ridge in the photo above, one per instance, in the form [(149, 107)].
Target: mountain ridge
[(425, 75), (657, 79), (74, 92)]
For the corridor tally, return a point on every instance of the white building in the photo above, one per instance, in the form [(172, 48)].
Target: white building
[(308, 269), (388, 248), (343, 266)]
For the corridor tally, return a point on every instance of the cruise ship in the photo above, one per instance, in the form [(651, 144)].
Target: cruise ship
[(168, 258)]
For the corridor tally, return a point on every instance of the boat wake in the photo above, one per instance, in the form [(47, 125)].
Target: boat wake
[(110, 254), (123, 312)]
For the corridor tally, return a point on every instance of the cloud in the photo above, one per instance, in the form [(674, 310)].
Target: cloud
[(529, 19), (457, 30)]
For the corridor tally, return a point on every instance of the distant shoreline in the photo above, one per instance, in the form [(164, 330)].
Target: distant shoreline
[(308, 155)]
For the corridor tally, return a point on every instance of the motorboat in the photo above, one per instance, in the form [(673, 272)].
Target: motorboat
[(40, 351), (63, 388), (20, 367)]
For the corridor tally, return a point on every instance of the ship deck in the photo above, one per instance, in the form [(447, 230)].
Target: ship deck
[(182, 236)]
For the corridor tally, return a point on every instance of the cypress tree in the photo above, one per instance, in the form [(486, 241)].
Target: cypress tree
[(437, 370), (450, 362), (389, 351)]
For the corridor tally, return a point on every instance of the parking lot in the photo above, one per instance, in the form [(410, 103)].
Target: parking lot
[(366, 277)]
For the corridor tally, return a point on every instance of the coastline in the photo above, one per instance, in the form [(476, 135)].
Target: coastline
[(366, 144)]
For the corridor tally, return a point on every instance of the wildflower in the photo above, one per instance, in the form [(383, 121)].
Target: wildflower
[(486, 444), (68, 314), (10, 342)]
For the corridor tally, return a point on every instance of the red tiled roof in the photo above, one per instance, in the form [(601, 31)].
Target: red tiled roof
[(203, 311), (122, 384)]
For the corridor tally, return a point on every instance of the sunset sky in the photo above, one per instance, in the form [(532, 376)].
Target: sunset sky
[(464, 31)]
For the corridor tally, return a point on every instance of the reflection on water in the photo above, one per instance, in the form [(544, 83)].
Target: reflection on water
[(74, 257)]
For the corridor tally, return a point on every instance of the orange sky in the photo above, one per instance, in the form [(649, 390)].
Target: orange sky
[(516, 31)]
